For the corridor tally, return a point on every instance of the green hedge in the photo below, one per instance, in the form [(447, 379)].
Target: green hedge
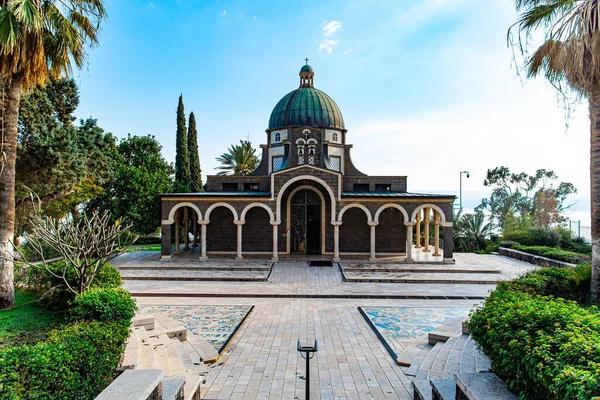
[(543, 347), (110, 304), (76, 362), (534, 237), (555, 254)]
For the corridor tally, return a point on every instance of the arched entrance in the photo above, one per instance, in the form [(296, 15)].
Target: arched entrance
[(305, 222)]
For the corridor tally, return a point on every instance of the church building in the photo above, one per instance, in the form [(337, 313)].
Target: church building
[(306, 197)]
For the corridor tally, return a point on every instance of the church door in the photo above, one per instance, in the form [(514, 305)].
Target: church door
[(306, 223)]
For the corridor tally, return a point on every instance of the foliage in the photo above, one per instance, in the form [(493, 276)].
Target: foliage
[(555, 254), (574, 244), (470, 231), (85, 244), (27, 322), (239, 160), (515, 196), (192, 142), (534, 237), (182, 156), (103, 304), (546, 212), (509, 244), (542, 347), (76, 362), (140, 175)]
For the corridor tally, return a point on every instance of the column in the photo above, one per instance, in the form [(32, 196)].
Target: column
[(426, 221), (418, 238), (275, 225), (239, 224), (203, 239), (409, 233), (372, 224), (336, 240), (436, 234), (176, 232), (165, 247), (186, 229), (448, 244), (195, 222)]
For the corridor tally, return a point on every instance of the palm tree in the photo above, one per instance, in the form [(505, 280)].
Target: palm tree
[(470, 231), (569, 58), (39, 40), (240, 159)]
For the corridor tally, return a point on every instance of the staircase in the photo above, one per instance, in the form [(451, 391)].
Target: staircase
[(159, 343)]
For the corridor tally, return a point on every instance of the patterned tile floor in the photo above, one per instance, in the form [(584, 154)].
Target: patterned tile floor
[(215, 323)]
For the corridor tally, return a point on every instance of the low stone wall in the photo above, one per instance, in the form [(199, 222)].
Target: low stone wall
[(533, 259)]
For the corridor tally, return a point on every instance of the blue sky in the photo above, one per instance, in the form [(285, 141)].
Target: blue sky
[(426, 87)]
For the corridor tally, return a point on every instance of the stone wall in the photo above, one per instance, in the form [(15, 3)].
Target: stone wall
[(355, 233), (533, 259), (390, 234), (221, 233), (257, 232)]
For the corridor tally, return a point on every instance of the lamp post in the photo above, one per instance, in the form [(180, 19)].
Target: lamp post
[(461, 174)]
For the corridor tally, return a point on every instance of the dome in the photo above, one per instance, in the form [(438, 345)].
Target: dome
[(306, 106)]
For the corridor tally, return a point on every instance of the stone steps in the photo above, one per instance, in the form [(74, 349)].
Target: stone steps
[(177, 274), (419, 268), (195, 267), (420, 277)]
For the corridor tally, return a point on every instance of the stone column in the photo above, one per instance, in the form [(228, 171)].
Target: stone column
[(436, 234), (275, 225), (195, 222), (165, 247), (239, 224), (177, 232), (186, 229), (372, 224), (448, 244), (418, 238), (426, 221), (203, 239), (409, 232), (336, 240)]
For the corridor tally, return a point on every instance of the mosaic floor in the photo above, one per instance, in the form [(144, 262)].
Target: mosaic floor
[(400, 326), (216, 324)]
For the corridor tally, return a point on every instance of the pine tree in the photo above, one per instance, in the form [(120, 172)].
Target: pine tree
[(192, 142), (182, 157)]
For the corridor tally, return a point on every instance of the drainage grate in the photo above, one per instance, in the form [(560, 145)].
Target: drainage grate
[(320, 264)]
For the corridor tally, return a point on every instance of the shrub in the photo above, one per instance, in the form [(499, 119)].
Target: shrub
[(108, 304), (509, 244), (76, 362), (556, 254), (537, 236), (542, 347)]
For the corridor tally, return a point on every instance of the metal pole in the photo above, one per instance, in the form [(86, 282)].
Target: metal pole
[(307, 378), (308, 354), (460, 191)]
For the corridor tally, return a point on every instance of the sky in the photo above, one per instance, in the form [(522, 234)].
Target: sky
[(427, 88)]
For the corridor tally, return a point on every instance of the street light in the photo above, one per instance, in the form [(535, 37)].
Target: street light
[(461, 174)]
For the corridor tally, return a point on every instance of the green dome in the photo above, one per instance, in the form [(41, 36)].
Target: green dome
[(306, 106), (306, 68)]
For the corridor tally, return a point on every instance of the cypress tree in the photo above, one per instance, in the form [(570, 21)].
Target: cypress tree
[(195, 170), (182, 156)]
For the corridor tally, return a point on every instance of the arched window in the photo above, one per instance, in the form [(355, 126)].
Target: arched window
[(335, 137), (301, 150), (311, 151), (278, 137)]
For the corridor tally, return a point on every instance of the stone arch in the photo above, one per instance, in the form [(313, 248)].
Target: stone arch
[(171, 219), (251, 205), (310, 178), (220, 204), (392, 205), (438, 209), (355, 205)]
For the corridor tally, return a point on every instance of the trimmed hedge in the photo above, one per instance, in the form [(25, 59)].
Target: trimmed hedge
[(543, 347), (111, 304), (555, 254), (76, 362), (534, 237)]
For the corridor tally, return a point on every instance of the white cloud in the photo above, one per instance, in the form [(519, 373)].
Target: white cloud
[(328, 45), (329, 28), (223, 13), (349, 51)]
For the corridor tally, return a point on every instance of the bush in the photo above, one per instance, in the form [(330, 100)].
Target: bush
[(542, 347), (76, 362), (509, 244), (556, 254), (537, 236), (109, 304)]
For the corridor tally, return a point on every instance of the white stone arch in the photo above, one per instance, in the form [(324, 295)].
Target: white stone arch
[(439, 210), (310, 178), (288, 216), (355, 205), (312, 141), (252, 205), (221, 204), (177, 206), (392, 205), (300, 141)]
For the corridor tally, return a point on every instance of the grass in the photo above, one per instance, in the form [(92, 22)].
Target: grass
[(27, 323), (145, 247)]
